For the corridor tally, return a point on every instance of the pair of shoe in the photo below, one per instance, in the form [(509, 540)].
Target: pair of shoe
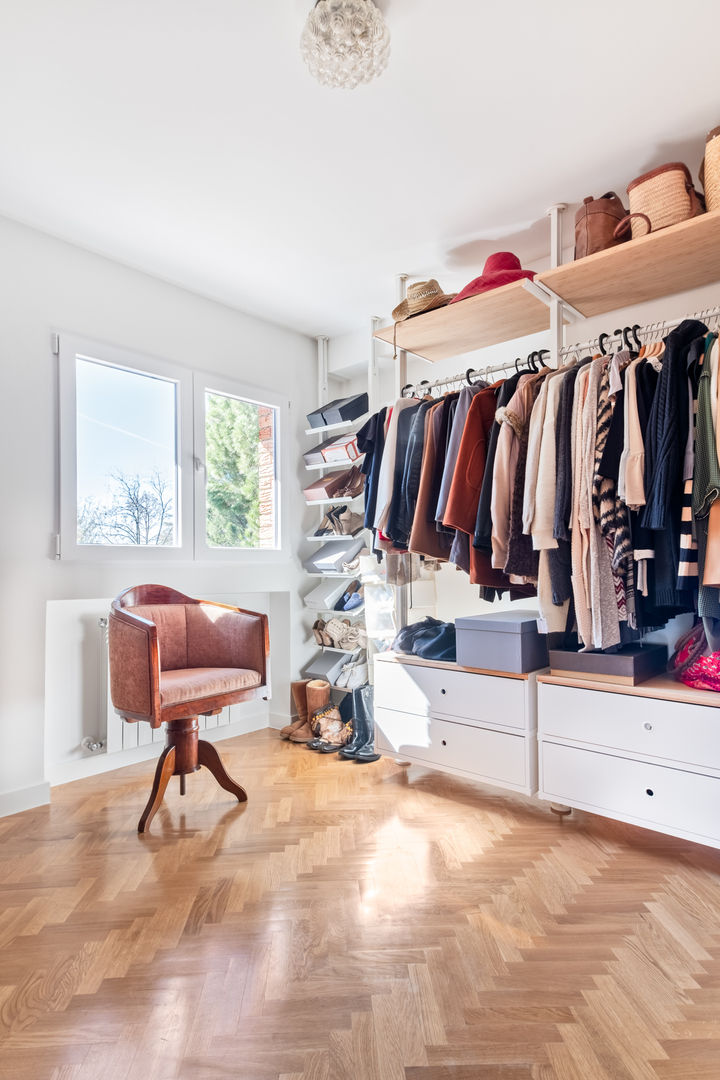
[(350, 484), (352, 598), (309, 696), (340, 521), (320, 633), (353, 675), (344, 635), (332, 731), (361, 748)]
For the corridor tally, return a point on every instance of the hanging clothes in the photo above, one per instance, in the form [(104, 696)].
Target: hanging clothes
[(371, 443), (482, 539), (386, 477), (470, 469), (424, 537)]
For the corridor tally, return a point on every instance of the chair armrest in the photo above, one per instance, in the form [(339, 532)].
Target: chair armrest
[(134, 666)]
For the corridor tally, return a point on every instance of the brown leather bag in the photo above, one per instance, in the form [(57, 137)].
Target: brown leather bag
[(595, 224)]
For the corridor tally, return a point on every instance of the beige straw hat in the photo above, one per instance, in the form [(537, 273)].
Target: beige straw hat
[(421, 296), (710, 170)]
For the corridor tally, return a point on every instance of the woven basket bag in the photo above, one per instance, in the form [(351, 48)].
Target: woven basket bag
[(710, 170), (660, 198)]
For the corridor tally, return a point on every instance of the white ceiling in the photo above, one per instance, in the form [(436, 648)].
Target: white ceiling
[(188, 140)]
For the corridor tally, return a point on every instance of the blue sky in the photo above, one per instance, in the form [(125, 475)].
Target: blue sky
[(125, 423)]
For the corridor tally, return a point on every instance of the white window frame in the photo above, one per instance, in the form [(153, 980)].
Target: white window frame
[(204, 381), (190, 462)]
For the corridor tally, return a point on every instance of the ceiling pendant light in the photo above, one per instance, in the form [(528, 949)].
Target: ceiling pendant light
[(345, 42)]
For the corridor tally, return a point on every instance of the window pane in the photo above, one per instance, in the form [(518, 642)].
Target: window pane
[(126, 457), (240, 473)]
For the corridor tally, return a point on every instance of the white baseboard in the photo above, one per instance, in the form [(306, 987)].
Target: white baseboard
[(14, 802), (277, 721), (67, 771)]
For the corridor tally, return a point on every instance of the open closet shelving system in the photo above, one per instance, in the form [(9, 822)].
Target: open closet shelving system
[(681, 257), (646, 755), (356, 504)]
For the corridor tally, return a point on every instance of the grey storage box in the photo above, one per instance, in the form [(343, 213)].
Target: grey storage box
[(501, 641), (327, 665), (630, 665), (325, 595), (329, 557)]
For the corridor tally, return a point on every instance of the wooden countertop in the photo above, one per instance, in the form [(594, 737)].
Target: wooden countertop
[(661, 687)]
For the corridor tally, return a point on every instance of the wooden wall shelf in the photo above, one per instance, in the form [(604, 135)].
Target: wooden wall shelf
[(676, 259), (502, 314)]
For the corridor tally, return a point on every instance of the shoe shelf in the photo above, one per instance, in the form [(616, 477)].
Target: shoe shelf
[(338, 500), (511, 311), (338, 429), (333, 464), (681, 257), (334, 536), (354, 653), (337, 611), (330, 573)]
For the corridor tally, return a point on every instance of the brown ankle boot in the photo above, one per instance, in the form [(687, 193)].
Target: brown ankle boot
[(299, 706), (317, 695), (287, 731), (303, 733)]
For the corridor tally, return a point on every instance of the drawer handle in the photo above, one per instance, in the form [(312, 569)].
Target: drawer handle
[(443, 691), (648, 726), (649, 791), (444, 742)]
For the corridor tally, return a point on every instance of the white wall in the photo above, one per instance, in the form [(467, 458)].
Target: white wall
[(48, 285)]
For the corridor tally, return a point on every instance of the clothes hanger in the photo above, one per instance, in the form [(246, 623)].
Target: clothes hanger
[(602, 338), (542, 353)]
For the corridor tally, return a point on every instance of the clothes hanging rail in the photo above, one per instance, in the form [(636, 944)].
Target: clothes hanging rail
[(649, 330), (463, 377)]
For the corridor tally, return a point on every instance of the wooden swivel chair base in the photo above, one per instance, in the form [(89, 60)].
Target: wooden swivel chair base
[(184, 753), (174, 659)]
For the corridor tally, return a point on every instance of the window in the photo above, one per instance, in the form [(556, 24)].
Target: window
[(161, 462)]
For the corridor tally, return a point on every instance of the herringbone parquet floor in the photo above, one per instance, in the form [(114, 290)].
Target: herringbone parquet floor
[(349, 923)]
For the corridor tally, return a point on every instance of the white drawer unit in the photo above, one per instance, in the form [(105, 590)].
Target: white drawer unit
[(638, 726), (655, 796), (482, 754), (426, 690), (632, 756), (469, 723)]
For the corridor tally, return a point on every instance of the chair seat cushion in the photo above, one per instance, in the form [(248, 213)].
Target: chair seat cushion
[(190, 684)]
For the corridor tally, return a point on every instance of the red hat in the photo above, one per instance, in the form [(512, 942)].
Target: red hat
[(500, 269)]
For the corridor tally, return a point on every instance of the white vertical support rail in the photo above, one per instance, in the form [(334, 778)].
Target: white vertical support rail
[(401, 591), (372, 379), (322, 367), (401, 359), (556, 308)]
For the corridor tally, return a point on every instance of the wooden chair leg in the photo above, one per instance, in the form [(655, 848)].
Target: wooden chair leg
[(163, 772), (209, 757)]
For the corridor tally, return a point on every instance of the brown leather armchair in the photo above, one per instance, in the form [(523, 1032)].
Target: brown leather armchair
[(173, 659)]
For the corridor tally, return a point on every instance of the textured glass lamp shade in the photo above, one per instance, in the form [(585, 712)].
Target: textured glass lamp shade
[(345, 42)]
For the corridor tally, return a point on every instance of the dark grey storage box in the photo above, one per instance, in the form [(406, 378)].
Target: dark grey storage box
[(349, 408), (630, 665), (501, 641), (316, 419)]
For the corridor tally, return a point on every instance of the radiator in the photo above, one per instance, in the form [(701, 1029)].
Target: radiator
[(119, 733)]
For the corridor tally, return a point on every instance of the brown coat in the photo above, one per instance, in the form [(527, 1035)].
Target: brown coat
[(462, 504), (424, 538)]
